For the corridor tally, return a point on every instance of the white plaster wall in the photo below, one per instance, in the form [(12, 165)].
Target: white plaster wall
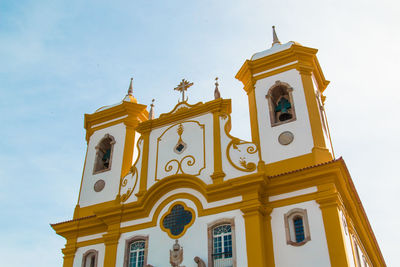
[(194, 241), (314, 252), (80, 251), (112, 177), (302, 144), (229, 170), (193, 137)]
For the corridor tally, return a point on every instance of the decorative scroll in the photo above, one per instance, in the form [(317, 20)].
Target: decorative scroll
[(189, 160), (133, 174), (239, 152), (181, 163)]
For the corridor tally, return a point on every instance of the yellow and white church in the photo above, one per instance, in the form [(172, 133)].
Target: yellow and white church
[(179, 190)]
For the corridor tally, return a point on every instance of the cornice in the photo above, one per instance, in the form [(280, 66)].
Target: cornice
[(218, 105), (300, 56), (128, 113)]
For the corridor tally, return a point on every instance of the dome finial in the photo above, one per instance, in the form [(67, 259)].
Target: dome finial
[(130, 90), (151, 113), (275, 37), (217, 94)]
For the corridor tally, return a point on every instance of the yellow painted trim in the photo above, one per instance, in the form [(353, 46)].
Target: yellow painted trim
[(313, 111), (90, 242), (129, 147), (255, 226), (111, 243), (76, 214), (135, 112), (134, 171), (255, 132), (145, 164), (218, 105), (185, 207), (292, 164), (274, 72), (247, 166), (329, 203), (332, 179), (218, 174), (202, 126)]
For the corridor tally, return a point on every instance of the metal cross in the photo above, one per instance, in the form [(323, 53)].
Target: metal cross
[(182, 87)]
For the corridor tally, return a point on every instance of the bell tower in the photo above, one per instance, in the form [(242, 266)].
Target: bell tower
[(111, 139), (285, 86)]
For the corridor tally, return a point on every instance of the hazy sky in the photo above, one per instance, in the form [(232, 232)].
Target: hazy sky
[(61, 59)]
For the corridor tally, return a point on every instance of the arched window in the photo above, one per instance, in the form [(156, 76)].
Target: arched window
[(104, 154), (296, 227), (221, 243), (280, 103), (136, 252), (89, 258)]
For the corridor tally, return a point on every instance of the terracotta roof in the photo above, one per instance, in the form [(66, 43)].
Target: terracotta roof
[(73, 220), (306, 168)]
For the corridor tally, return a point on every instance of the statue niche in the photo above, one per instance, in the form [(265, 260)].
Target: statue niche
[(280, 103)]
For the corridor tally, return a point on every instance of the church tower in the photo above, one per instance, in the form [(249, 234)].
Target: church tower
[(111, 139), (285, 86), (179, 190)]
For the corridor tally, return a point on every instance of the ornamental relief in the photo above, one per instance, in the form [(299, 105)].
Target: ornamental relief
[(181, 150), (130, 181), (242, 155)]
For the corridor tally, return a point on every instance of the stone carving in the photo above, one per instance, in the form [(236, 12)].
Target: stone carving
[(200, 262), (176, 255)]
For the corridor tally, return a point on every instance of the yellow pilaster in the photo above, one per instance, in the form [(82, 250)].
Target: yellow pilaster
[(69, 253), (128, 147), (329, 203), (111, 243), (255, 135), (218, 174), (320, 151), (145, 161), (255, 236)]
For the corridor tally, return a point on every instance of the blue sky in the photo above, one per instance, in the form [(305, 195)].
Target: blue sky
[(61, 59)]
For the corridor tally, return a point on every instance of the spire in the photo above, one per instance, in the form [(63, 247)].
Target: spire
[(275, 37), (217, 94), (151, 113), (130, 90), (129, 96)]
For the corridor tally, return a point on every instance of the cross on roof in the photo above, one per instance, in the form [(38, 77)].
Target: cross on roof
[(182, 87)]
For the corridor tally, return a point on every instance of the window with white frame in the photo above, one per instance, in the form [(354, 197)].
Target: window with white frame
[(221, 243), (89, 258), (136, 252), (296, 227)]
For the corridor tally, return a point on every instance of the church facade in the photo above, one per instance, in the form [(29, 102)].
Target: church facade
[(180, 190)]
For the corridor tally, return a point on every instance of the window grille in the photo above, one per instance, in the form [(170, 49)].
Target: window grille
[(222, 246), (136, 254), (299, 229)]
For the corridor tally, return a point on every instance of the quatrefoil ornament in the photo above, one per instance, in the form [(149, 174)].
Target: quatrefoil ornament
[(177, 220)]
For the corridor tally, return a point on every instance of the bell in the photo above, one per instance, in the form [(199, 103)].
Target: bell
[(285, 115)]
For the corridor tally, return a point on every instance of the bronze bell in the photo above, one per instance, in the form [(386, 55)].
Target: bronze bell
[(285, 115)]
